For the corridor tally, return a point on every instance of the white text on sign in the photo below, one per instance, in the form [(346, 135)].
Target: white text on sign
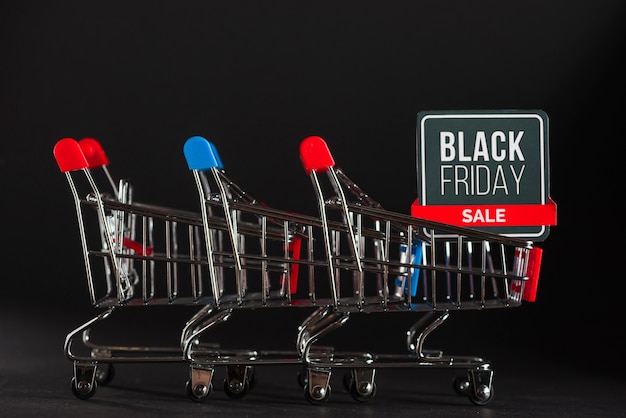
[(501, 157), (484, 216), (498, 148)]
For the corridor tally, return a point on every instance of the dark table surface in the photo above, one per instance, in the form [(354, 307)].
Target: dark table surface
[(533, 376)]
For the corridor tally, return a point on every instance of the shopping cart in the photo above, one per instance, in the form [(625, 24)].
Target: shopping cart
[(380, 261), (253, 260), (139, 255), (135, 255)]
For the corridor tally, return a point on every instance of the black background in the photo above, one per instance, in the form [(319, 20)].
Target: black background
[(255, 78)]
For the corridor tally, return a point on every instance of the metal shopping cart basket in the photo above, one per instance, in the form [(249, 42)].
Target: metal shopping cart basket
[(135, 255), (380, 261)]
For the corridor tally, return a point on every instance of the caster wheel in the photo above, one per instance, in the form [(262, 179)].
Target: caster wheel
[(105, 373), (84, 390), (199, 393), (461, 385), (236, 390), (366, 394), (482, 395), (321, 395)]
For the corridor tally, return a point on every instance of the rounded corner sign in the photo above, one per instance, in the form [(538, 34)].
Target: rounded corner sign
[(485, 169)]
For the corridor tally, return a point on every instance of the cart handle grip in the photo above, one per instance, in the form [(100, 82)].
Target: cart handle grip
[(93, 152), (201, 154), (315, 155), (534, 267), (69, 155)]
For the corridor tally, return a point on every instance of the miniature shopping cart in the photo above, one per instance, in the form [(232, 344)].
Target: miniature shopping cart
[(253, 261), (384, 261), (354, 258), (135, 255)]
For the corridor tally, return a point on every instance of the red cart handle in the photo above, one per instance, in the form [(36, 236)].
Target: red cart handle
[(69, 155), (93, 152), (534, 267), (315, 155), (72, 155)]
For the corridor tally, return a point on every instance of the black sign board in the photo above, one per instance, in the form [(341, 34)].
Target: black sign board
[(485, 169)]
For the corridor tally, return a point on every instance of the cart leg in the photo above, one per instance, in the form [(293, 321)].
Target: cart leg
[(237, 382), (362, 386), (84, 383), (317, 388), (420, 330), (320, 353), (199, 385), (312, 330)]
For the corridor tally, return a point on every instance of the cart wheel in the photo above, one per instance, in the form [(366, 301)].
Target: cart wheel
[(198, 394), (236, 390), (481, 395), (461, 385), (105, 373), (84, 390), (322, 395), (370, 392)]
